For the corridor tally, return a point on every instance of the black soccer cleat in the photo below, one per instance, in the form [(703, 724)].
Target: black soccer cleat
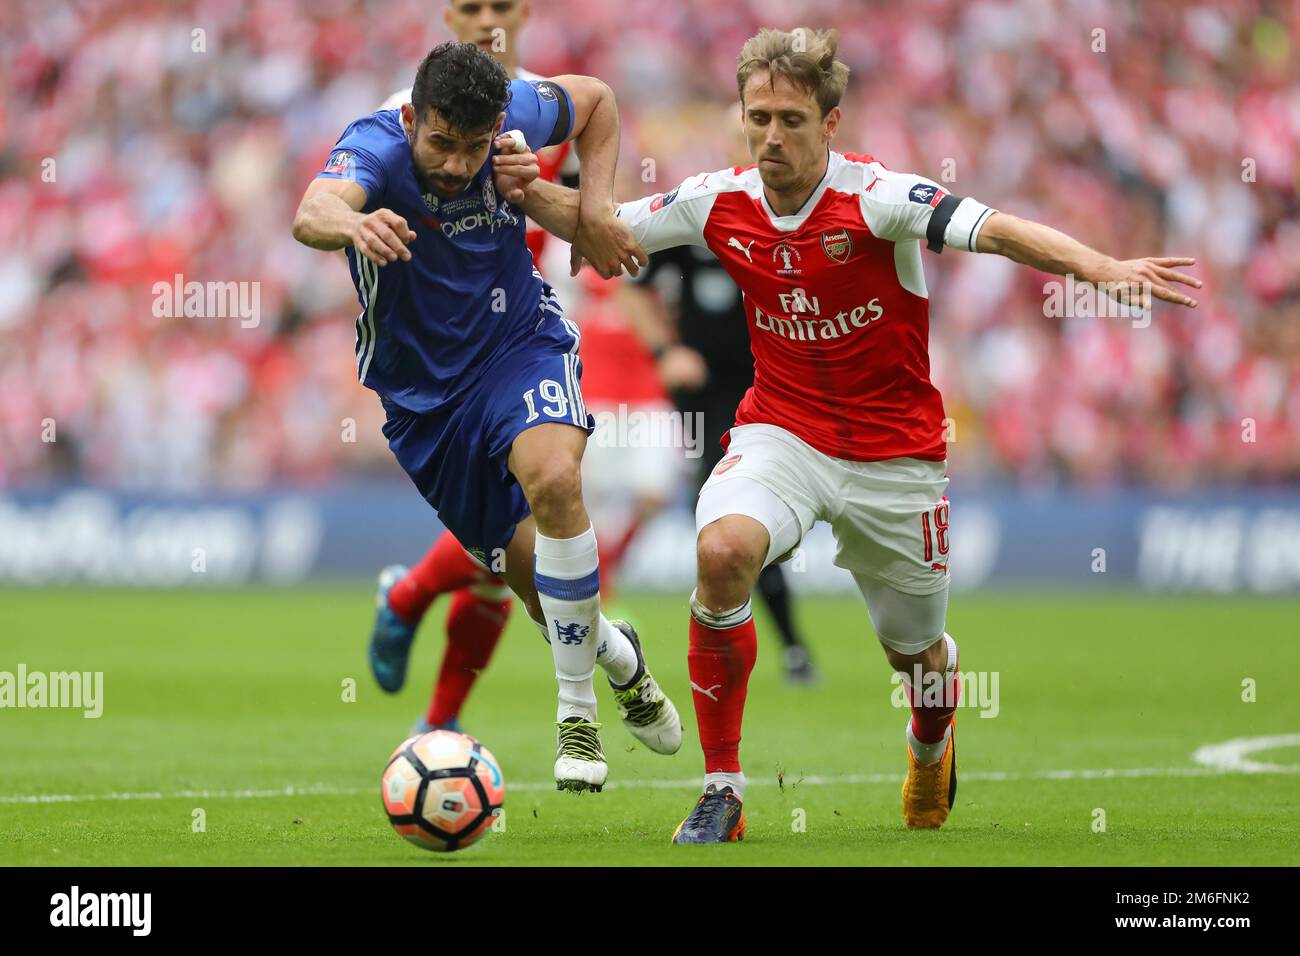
[(718, 817)]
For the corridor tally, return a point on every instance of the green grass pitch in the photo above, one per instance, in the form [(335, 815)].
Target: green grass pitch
[(222, 700)]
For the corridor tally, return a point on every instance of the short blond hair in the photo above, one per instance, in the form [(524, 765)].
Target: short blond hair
[(804, 57)]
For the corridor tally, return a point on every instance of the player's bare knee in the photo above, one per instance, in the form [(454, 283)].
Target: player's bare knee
[(933, 659), (725, 559), (552, 486)]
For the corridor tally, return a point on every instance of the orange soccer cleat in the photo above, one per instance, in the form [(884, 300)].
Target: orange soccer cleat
[(930, 790)]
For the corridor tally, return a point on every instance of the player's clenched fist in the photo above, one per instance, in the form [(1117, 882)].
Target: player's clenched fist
[(514, 166), (382, 237)]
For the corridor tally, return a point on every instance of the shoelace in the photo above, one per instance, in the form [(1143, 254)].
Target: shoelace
[(640, 709), (581, 740), (938, 791), (708, 812)]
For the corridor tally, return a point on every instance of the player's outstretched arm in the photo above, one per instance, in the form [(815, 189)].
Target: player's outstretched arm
[(1049, 250), (557, 209), (655, 222), (599, 238), (553, 207), (329, 217)]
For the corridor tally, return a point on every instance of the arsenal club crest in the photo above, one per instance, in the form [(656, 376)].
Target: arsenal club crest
[(837, 244), (726, 464)]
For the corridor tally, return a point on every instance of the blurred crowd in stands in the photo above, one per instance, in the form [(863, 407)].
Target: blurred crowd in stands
[(145, 139)]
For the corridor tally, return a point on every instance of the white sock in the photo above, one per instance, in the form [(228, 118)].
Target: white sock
[(736, 781), (616, 654), (927, 753), (721, 620), (567, 573)]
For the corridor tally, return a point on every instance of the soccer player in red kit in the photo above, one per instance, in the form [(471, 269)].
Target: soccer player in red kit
[(842, 424)]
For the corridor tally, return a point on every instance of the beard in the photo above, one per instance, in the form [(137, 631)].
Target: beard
[(443, 187)]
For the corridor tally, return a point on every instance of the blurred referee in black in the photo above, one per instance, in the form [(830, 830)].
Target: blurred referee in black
[(688, 312)]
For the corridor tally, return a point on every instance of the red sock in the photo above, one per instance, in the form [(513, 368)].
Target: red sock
[(932, 713), (719, 662), (446, 567), (474, 626), (611, 556)]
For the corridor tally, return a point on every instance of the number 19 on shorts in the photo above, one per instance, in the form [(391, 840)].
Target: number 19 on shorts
[(557, 403)]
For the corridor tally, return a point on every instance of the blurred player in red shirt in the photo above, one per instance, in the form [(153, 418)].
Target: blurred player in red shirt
[(842, 424), (632, 463)]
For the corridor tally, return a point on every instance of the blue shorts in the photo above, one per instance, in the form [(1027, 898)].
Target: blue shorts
[(456, 455)]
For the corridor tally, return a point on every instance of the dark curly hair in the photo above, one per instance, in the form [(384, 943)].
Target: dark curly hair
[(466, 87)]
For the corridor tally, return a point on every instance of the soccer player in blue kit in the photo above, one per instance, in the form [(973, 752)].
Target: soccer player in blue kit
[(475, 364)]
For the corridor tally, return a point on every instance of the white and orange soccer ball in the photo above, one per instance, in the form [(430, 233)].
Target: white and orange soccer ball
[(442, 790)]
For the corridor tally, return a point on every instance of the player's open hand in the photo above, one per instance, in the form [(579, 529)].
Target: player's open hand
[(382, 237), (514, 166), (1137, 281), (608, 244)]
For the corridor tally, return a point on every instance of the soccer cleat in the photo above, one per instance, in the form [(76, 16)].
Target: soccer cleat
[(718, 817), (391, 637), (929, 791), (799, 666), (422, 726), (579, 760), (646, 710)]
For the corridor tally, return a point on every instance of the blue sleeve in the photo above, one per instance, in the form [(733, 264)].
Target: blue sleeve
[(541, 110), (359, 157)]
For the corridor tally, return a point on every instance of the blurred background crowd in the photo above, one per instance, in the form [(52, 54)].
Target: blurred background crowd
[(141, 139)]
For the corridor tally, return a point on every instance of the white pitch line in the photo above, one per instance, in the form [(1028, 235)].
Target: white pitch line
[(1231, 754), (990, 776)]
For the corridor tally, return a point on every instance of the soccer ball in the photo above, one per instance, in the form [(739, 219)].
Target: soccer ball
[(442, 790)]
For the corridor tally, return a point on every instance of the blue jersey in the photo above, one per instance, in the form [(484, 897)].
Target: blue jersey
[(429, 328)]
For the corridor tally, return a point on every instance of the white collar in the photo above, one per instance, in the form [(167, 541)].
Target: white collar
[(792, 222)]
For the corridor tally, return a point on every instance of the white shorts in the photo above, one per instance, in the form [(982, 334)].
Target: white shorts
[(889, 518)]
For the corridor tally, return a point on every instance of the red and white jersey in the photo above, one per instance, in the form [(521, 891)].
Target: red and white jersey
[(553, 161), (834, 295)]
